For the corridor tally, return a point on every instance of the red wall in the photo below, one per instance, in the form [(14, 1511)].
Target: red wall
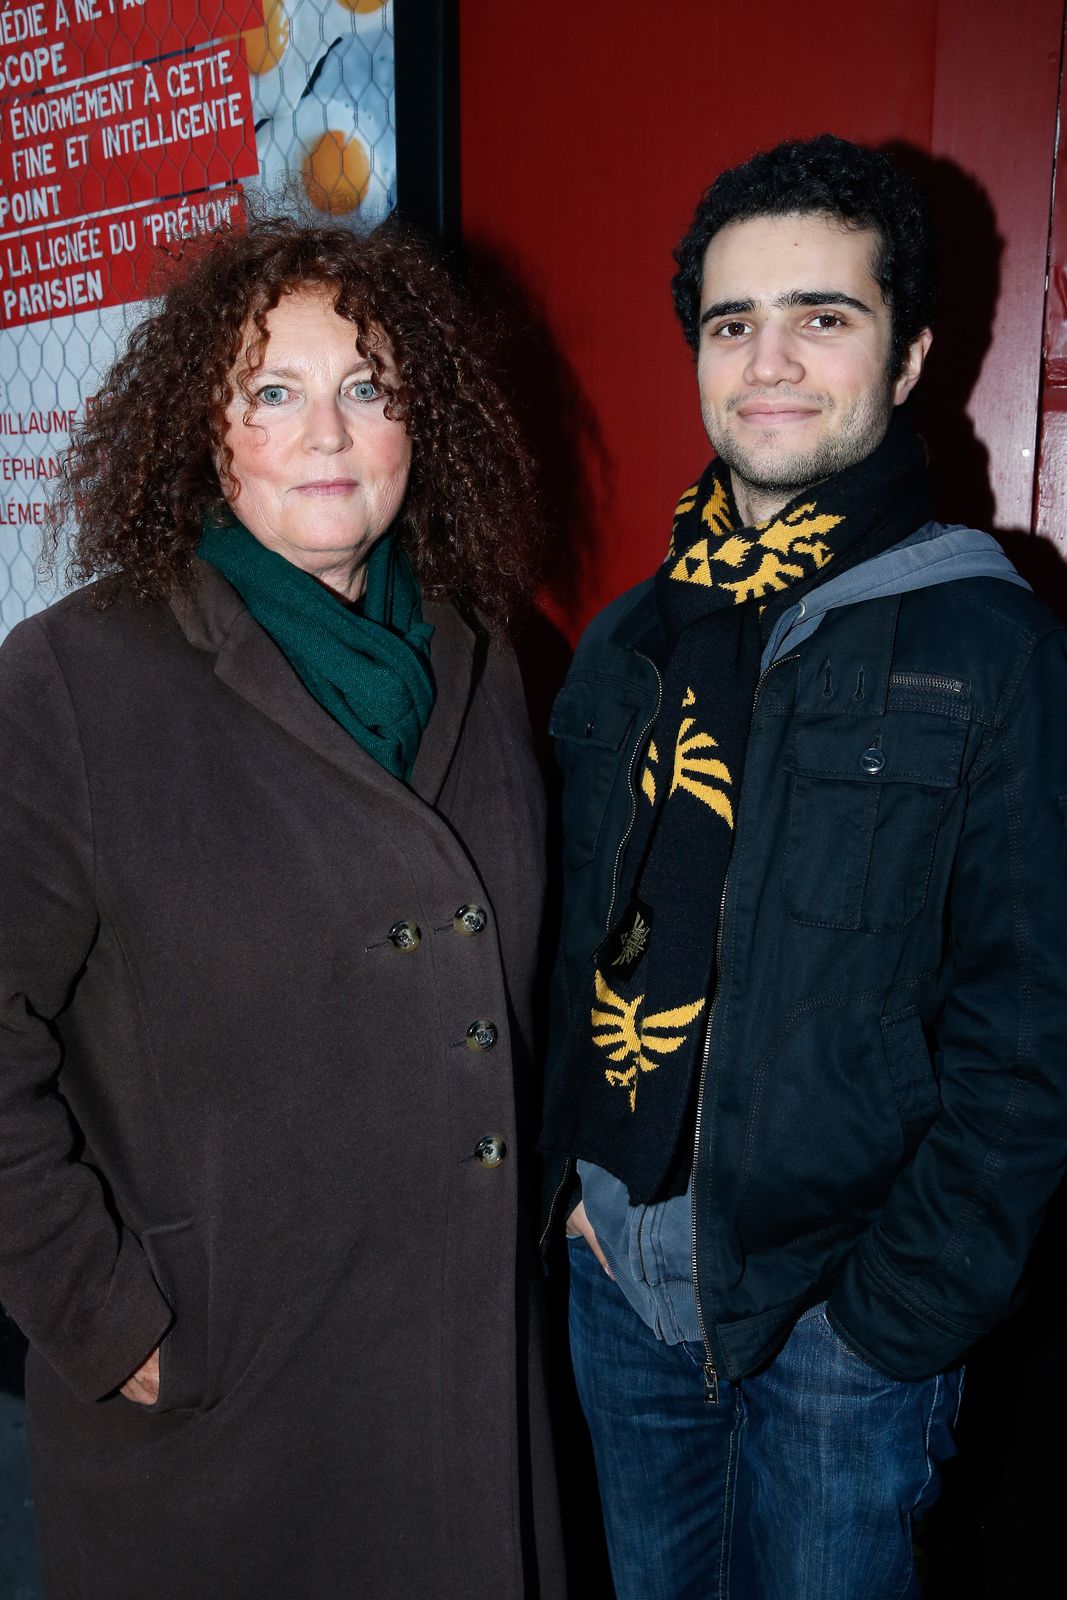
[(589, 131)]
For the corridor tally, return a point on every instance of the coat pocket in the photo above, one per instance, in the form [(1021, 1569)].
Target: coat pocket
[(177, 1260), (911, 1074), (590, 723), (865, 802)]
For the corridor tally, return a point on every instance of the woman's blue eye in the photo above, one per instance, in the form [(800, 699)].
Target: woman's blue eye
[(367, 389), (272, 394)]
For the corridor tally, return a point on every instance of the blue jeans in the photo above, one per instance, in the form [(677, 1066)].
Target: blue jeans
[(801, 1484)]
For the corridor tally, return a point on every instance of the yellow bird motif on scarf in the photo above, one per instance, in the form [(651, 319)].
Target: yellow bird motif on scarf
[(624, 1035), (694, 769)]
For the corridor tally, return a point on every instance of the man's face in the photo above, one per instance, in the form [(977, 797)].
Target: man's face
[(794, 354)]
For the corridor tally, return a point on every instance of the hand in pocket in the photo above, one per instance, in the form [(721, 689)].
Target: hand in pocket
[(579, 1226), (142, 1387)]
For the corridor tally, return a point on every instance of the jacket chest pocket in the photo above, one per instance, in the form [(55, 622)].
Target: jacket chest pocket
[(591, 724), (866, 796)]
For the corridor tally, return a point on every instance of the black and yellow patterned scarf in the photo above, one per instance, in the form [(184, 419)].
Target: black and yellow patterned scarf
[(636, 1043)]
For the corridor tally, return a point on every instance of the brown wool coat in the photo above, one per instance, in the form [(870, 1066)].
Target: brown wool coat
[(235, 1118)]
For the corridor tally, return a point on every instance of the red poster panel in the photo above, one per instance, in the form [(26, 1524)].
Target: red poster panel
[(162, 127), (48, 42), (92, 262)]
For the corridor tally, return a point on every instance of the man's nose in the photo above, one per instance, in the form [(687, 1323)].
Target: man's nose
[(773, 358), (325, 427)]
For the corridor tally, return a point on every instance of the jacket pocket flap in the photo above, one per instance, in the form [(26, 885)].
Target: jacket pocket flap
[(907, 747), (583, 716)]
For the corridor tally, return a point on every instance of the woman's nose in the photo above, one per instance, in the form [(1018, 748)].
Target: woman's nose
[(325, 427)]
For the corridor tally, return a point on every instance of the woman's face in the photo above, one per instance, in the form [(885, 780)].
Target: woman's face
[(320, 469)]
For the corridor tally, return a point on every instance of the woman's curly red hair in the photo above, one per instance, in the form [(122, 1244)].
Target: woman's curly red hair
[(144, 466)]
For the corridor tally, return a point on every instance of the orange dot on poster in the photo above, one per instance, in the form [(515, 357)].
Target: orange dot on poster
[(336, 172), (264, 47), (363, 8)]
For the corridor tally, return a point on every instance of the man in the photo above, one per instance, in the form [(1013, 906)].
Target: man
[(812, 989)]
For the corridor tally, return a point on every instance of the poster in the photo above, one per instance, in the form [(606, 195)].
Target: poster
[(127, 126)]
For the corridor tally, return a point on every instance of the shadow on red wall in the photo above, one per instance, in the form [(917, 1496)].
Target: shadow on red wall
[(970, 249)]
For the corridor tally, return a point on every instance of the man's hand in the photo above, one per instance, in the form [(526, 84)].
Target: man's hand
[(578, 1223), (143, 1386)]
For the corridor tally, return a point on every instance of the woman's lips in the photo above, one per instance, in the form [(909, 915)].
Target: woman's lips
[(329, 486)]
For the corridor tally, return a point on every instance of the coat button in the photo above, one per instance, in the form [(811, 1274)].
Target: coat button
[(469, 919), (481, 1035), (490, 1150), (872, 760), (405, 936)]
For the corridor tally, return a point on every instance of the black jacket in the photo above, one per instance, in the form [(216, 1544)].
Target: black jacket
[(883, 1113)]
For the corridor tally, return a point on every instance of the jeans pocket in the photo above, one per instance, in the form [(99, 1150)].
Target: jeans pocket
[(845, 1351), (817, 1352)]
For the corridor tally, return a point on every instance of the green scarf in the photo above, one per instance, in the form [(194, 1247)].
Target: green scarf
[(370, 669)]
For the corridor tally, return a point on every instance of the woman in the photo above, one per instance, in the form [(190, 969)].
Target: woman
[(272, 859)]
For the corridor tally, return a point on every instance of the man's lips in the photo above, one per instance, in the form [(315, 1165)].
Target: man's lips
[(769, 416)]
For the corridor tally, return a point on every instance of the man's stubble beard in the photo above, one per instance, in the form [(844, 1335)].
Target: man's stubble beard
[(787, 476)]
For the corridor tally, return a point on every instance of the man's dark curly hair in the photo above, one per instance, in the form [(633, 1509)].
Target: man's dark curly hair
[(830, 177), (146, 462)]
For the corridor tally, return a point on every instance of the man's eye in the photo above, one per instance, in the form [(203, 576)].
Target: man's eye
[(732, 330), (365, 389), (827, 319), (272, 394)]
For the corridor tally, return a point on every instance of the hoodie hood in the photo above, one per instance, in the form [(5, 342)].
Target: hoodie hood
[(933, 554)]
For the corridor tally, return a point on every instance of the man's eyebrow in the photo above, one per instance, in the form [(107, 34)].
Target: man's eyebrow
[(725, 308), (791, 299), (823, 297)]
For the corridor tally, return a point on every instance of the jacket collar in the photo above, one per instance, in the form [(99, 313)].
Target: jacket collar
[(639, 626), (214, 619)]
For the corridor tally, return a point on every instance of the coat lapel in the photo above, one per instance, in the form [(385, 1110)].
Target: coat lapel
[(453, 652), (213, 618)]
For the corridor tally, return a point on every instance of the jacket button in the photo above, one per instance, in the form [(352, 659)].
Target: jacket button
[(405, 936), (469, 919), (490, 1150), (872, 759), (481, 1035)]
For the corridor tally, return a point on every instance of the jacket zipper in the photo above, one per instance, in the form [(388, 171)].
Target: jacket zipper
[(614, 890), (638, 747), (561, 1185), (926, 680), (711, 1376)]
